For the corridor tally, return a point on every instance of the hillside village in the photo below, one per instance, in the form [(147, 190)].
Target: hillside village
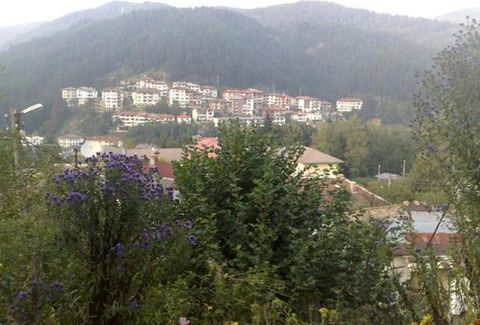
[(203, 103)]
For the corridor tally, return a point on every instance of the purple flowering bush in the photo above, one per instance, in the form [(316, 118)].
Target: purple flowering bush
[(117, 226)]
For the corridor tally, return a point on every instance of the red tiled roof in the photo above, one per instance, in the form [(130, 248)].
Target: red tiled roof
[(165, 169), (208, 142)]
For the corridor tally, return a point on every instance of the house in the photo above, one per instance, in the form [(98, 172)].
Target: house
[(184, 118), (200, 115), (35, 140), (349, 104), (308, 104), (246, 93), (185, 97), (104, 140), (129, 119), (146, 97), (187, 85), (419, 225), (236, 104), (244, 120), (387, 177), (85, 94), (315, 116), (316, 163), (208, 92), (275, 99), (217, 104), (299, 117), (112, 99), (70, 95), (273, 111), (149, 83), (68, 141)]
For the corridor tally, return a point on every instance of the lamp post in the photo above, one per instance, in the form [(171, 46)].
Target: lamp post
[(16, 117)]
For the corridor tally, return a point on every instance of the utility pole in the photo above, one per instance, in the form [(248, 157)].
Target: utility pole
[(75, 152), (403, 171), (15, 116), (378, 175)]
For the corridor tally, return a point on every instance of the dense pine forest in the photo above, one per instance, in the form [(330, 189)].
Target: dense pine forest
[(330, 52)]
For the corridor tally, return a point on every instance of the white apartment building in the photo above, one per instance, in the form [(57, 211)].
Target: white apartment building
[(325, 106), (250, 106), (112, 99), (316, 116), (208, 92), (278, 120), (129, 119), (308, 104), (69, 94), (274, 99), (84, 94), (200, 115), (70, 140), (183, 96), (299, 117), (187, 85), (145, 97), (184, 118), (349, 104), (148, 83)]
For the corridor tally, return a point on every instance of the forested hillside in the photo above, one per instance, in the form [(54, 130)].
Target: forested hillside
[(328, 51), (23, 33)]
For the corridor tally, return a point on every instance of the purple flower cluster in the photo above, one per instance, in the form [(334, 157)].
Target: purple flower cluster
[(116, 176), (192, 240), (184, 224), (45, 292)]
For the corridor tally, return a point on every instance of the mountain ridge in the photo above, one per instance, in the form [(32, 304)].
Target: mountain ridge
[(327, 58), (106, 11)]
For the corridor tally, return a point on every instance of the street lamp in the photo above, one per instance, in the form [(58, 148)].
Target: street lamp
[(16, 116)]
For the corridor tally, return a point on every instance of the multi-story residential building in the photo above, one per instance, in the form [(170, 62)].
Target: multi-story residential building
[(70, 95), (245, 120), (104, 140), (208, 92), (149, 83), (278, 120), (145, 97), (326, 106), (185, 97), (70, 141), (251, 106), (275, 99), (299, 117), (112, 99), (246, 93), (236, 104), (184, 118), (273, 111), (200, 115), (315, 116), (349, 104), (217, 104), (129, 119), (308, 104), (187, 85), (85, 94)]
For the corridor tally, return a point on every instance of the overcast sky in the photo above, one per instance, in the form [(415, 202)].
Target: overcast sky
[(14, 12)]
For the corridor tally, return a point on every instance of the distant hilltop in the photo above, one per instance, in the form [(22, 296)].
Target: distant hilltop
[(460, 16)]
